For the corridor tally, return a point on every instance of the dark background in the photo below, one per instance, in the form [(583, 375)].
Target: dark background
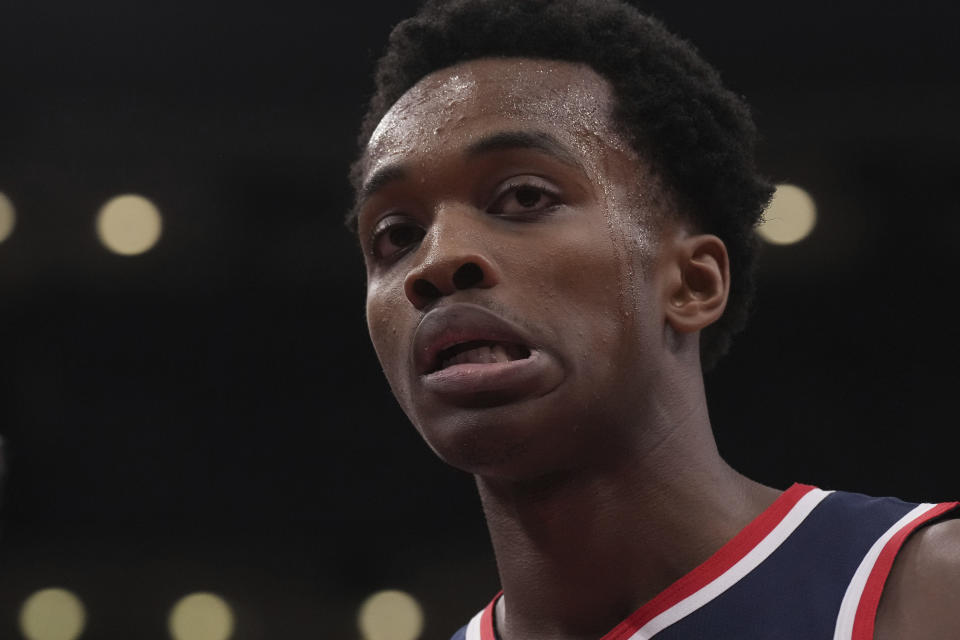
[(210, 415)]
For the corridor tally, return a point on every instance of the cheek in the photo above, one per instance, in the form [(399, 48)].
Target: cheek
[(584, 288), (383, 324), (597, 289)]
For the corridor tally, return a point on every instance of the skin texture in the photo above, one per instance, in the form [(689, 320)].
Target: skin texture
[(575, 242), (921, 599), (573, 277)]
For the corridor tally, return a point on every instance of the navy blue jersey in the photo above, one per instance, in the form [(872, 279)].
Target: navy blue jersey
[(810, 567)]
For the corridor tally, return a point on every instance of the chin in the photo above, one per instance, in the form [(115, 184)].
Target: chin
[(513, 442)]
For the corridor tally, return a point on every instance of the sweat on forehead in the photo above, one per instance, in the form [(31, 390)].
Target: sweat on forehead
[(528, 92)]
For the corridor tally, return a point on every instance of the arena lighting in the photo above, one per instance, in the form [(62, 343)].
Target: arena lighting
[(201, 616), (790, 217), (8, 217), (129, 224), (52, 614), (390, 615)]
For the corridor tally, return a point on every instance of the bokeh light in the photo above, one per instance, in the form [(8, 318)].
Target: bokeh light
[(129, 224), (390, 615), (201, 616), (52, 614), (791, 216), (8, 217)]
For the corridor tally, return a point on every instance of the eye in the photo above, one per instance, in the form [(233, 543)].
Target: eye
[(519, 198), (394, 235)]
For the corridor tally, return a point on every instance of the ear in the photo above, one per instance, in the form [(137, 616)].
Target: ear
[(697, 283)]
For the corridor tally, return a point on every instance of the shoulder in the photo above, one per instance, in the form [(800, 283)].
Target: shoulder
[(921, 598)]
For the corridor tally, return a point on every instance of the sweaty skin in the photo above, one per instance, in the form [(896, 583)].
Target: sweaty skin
[(567, 276), (588, 472)]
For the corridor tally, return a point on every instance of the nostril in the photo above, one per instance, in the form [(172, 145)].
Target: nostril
[(425, 289), (468, 275)]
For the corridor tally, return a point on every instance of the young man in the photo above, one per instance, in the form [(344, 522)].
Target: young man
[(556, 203)]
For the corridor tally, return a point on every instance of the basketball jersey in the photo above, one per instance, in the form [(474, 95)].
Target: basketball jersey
[(812, 566)]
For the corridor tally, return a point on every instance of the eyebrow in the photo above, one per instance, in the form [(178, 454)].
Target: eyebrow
[(500, 141), (511, 140), (381, 178)]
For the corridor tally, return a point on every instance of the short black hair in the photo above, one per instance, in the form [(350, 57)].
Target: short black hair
[(698, 136)]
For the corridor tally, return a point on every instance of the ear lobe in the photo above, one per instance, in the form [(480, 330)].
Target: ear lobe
[(700, 283)]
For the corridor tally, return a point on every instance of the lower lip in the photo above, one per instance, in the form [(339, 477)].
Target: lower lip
[(491, 383)]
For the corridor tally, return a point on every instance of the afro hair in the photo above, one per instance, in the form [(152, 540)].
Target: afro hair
[(697, 135)]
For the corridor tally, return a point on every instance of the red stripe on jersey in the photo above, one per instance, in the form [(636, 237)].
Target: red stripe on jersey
[(717, 564), (865, 618), (486, 620)]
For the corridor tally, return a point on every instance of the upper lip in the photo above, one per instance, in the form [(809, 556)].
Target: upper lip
[(453, 324)]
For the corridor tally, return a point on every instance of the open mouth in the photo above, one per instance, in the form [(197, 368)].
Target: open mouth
[(480, 352)]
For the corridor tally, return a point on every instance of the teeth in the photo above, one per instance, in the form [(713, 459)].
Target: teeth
[(484, 354), (499, 353)]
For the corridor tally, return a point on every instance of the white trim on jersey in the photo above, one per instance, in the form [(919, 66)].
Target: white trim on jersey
[(473, 627), (731, 576), (851, 599)]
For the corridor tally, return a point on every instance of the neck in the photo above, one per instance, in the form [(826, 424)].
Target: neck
[(578, 551)]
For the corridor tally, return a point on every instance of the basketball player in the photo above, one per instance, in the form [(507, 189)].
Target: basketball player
[(556, 203)]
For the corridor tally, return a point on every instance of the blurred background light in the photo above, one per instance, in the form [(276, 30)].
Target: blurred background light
[(390, 615), (52, 614), (161, 411), (8, 217), (201, 616), (129, 224), (791, 216)]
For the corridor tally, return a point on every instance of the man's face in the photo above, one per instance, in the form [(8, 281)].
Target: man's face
[(511, 252)]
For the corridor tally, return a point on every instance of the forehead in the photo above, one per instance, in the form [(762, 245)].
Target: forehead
[(569, 101)]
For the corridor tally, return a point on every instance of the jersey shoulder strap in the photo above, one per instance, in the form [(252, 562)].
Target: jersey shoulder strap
[(813, 565)]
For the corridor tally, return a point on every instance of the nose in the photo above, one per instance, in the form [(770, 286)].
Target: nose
[(450, 264)]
